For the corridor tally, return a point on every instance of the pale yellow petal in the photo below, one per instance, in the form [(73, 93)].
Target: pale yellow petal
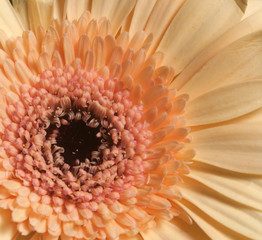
[(7, 228), (248, 26), (160, 18), (74, 10), (224, 103), (212, 228), (117, 11), (241, 219), (9, 21), (173, 230), (40, 13), (252, 7), (245, 189), (238, 62), (59, 12), (196, 25), (20, 7), (142, 11), (235, 147)]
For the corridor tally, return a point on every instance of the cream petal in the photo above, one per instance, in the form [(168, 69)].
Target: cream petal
[(212, 228), (235, 147), (252, 7), (116, 11), (142, 11), (245, 189), (173, 230), (251, 118), (224, 103), (197, 24), (9, 21), (248, 26), (40, 13), (164, 10), (73, 10), (234, 216), (20, 7), (238, 62), (7, 227)]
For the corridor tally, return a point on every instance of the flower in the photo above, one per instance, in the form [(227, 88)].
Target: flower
[(130, 120)]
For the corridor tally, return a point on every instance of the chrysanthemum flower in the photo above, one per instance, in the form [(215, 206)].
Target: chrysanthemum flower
[(128, 119)]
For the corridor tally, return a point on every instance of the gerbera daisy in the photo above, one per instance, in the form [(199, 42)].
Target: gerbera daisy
[(130, 119)]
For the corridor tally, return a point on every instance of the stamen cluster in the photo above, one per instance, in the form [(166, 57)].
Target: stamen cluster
[(63, 97)]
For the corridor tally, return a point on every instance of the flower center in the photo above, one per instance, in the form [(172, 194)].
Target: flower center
[(81, 137), (79, 141)]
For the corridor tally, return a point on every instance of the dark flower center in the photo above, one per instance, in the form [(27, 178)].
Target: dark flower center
[(78, 140)]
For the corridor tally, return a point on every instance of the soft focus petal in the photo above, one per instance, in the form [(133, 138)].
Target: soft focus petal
[(196, 25), (239, 218), (116, 11), (235, 147), (74, 11), (174, 230), (9, 22), (249, 25), (239, 62), (245, 189), (225, 103), (212, 228), (252, 7)]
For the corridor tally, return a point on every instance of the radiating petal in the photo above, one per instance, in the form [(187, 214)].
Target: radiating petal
[(142, 11), (224, 103), (20, 7), (213, 229), (164, 10), (73, 10), (245, 27), (252, 7), (239, 62), (235, 147), (245, 189), (239, 218), (116, 11), (40, 13), (196, 25), (9, 22), (173, 230)]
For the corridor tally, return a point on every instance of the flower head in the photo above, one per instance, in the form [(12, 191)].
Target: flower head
[(95, 120)]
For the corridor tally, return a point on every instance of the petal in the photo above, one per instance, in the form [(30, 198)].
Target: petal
[(164, 10), (212, 228), (20, 7), (235, 147), (173, 230), (116, 11), (7, 227), (73, 10), (238, 62), (40, 13), (252, 7), (141, 14), (196, 25), (235, 216), (248, 26), (224, 103), (9, 21), (245, 189)]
